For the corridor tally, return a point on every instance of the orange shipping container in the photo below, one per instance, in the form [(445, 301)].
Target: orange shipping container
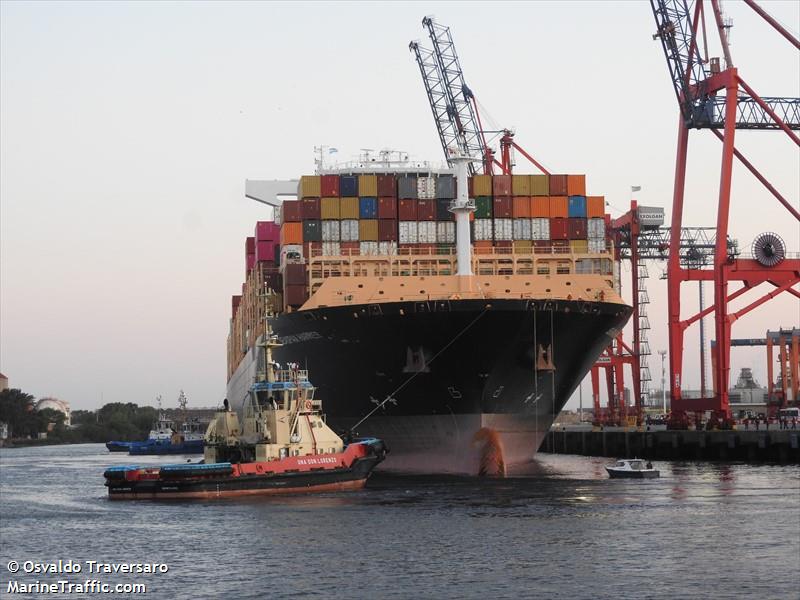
[(559, 207), (368, 229), (291, 233), (540, 207), (367, 185), (348, 208), (521, 185), (482, 247), (309, 186), (330, 208), (522, 207), (595, 207), (576, 185)]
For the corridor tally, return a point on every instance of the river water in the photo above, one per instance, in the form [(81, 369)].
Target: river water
[(564, 530)]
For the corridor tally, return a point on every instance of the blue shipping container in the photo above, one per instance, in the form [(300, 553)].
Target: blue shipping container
[(368, 208), (348, 186), (577, 207)]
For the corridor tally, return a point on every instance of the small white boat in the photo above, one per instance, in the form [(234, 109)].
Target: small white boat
[(632, 469)]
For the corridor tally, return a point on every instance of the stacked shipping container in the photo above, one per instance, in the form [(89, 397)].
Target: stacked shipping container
[(383, 214)]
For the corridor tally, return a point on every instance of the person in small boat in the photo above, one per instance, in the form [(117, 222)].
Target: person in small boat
[(649, 465)]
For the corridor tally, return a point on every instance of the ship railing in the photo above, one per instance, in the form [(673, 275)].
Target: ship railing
[(541, 260)]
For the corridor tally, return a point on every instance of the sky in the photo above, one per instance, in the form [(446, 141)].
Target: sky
[(127, 131)]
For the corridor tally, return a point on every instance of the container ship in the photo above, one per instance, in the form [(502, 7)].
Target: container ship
[(447, 343)]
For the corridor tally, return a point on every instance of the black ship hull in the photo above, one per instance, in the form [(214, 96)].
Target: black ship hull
[(450, 370)]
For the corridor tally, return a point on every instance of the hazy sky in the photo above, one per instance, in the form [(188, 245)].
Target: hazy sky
[(128, 129)]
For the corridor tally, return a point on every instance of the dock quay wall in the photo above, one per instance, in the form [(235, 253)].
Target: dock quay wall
[(781, 446)]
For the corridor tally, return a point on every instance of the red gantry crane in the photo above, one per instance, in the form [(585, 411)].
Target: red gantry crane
[(715, 96)]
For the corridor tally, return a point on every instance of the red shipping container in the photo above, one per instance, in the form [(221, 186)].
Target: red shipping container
[(504, 246), (329, 186), (387, 186), (559, 229), (426, 210), (265, 251), (426, 248), (576, 229), (250, 245), (387, 230), (501, 185), (235, 301), (275, 282), (295, 295), (503, 206), (350, 248), (521, 208), (250, 262), (311, 209), (292, 211), (542, 246), (560, 246), (558, 185), (312, 249), (407, 209), (387, 207), (295, 274), (267, 231)]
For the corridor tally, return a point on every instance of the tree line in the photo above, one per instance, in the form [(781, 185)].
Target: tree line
[(114, 421)]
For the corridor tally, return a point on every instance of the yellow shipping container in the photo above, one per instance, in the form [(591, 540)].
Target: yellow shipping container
[(348, 208), (481, 185), (521, 185), (540, 185), (368, 229), (309, 186), (523, 247), (579, 246), (368, 185), (330, 208)]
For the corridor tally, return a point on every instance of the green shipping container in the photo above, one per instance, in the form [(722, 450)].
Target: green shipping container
[(483, 207)]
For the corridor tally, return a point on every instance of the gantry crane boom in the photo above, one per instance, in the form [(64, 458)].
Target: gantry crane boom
[(679, 33)]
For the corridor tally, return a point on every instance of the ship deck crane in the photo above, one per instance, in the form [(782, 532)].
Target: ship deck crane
[(717, 98), (455, 109)]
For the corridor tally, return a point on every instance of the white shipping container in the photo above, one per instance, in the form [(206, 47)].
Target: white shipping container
[(540, 229), (349, 230), (483, 229), (368, 248), (426, 232), (277, 215), (331, 249), (330, 231), (408, 232), (522, 229), (597, 245), (426, 188), (445, 232), (291, 253), (596, 228), (503, 229), (387, 248)]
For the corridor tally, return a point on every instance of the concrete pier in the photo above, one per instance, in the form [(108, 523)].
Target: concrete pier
[(777, 445)]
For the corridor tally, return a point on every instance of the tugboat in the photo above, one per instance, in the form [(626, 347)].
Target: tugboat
[(281, 445), (165, 437), (632, 469)]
